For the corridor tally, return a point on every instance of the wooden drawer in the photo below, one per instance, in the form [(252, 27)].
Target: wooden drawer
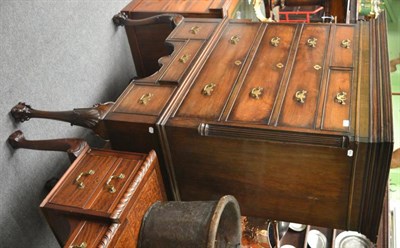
[(258, 94), (143, 99), (89, 234), (302, 95), (218, 76), (195, 29), (343, 46), (182, 61)]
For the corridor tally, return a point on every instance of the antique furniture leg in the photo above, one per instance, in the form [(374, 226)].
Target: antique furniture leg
[(84, 117), (73, 147)]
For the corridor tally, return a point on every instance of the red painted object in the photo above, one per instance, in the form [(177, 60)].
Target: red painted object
[(300, 14)]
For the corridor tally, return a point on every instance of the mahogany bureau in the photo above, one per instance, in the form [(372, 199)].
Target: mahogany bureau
[(294, 120)]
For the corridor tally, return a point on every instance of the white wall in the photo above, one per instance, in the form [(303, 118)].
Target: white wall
[(55, 55)]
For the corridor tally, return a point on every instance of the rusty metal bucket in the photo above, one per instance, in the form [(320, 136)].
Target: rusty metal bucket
[(196, 224)]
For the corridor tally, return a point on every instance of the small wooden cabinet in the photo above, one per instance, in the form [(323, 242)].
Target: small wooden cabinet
[(101, 199)]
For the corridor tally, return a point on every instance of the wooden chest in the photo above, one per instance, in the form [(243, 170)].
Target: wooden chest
[(147, 41), (101, 199), (294, 120)]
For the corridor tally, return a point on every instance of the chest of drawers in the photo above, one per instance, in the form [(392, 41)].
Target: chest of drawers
[(101, 199), (294, 120)]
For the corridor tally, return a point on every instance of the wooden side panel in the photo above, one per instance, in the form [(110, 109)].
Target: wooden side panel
[(219, 73), (264, 176), (306, 77), (265, 75)]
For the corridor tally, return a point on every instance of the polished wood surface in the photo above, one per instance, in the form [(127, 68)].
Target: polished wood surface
[(102, 208)]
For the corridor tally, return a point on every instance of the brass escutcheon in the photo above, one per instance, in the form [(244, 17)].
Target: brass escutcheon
[(111, 187), (184, 58), (208, 89), (317, 67), (81, 185), (82, 245), (256, 92), (301, 96), (234, 40), (312, 42), (345, 43), (238, 62), (341, 98), (194, 30), (275, 41), (145, 99), (280, 65)]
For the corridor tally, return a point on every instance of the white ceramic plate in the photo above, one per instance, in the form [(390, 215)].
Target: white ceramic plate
[(297, 227), (316, 239), (351, 239)]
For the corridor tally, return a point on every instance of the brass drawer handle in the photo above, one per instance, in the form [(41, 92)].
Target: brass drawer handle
[(111, 187), (341, 98), (145, 99), (312, 42), (275, 41), (208, 89), (194, 30), (184, 58), (345, 43), (81, 185), (82, 245), (301, 96), (234, 40), (257, 92)]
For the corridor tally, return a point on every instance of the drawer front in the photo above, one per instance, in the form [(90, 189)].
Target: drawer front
[(302, 95), (82, 183), (213, 86), (338, 101), (88, 234), (258, 93), (144, 99), (200, 30), (182, 61), (343, 46), (114, 186)]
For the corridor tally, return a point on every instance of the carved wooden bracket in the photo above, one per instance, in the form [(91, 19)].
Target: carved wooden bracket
[(122, 19), (73, 147), (84, 117)]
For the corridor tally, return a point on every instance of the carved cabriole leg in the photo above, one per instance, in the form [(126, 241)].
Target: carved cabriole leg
[(73, 147), (84, 117)]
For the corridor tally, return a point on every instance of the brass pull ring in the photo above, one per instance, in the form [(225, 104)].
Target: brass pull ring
[(111, 187), (341, 98), (275, 41), (82, 245), (301, 96), (145, 99), (257, 92), (312, 42), (345, 43), (194, 30), (184, 58), (81, 185), (208, 89), (234, 40)]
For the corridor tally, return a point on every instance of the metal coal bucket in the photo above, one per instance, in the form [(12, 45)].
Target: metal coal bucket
[(196, 224)]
